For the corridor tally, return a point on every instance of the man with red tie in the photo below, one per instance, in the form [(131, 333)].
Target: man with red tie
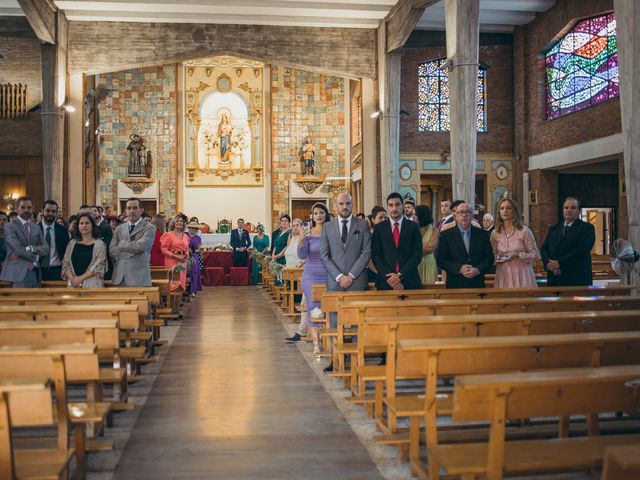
[(396, 249)]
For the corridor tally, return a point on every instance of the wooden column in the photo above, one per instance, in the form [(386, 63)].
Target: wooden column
[(389, 88), (628, 21), (462, 25)]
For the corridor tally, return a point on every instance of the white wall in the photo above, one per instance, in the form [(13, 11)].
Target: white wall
[(75, 134), (215, 203)]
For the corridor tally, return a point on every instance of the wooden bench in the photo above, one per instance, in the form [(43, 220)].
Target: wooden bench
[(561, 392), (451, 357), (381, 335), (622, 462), (64, 364), (352, 314), (103, 333), (126, 315), (29, 403), (292, 286)]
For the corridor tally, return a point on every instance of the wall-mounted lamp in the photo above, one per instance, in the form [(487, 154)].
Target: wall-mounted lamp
[(379, 114), (376, 114), (59, 111)]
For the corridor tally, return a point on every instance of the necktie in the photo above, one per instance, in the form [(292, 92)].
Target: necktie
[(47, 258), (131, 227), (465, 239), (565, 227), (396, 240), (344, 231)]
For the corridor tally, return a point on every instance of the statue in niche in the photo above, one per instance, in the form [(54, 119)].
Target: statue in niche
[(137, 156), (224, 134), (307, 153)]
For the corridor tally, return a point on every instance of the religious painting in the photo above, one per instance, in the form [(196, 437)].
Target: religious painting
[(224, 104)]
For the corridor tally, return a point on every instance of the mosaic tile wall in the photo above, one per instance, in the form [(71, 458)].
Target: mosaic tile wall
[(141, 101), (304, 104)]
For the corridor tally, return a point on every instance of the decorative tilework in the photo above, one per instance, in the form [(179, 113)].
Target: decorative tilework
[(141, 101), (304, 104)]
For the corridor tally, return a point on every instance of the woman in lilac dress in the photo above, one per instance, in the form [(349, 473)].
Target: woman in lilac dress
[(194, 252), (514, 248), (314, 271)]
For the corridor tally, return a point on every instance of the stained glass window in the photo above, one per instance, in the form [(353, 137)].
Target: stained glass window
[(582, 68), (433, 97)]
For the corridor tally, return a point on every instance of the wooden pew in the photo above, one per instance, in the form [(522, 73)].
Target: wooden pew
[(352, 314), (622, 462), (63, 364), (29, 403), (561, 392), (451, 357), (292, 286), (103, 333), (382, 334), (127, 315)]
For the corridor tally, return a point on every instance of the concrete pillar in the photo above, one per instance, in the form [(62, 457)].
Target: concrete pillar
[(628, 21), (463, 34), (369, 176), (389, 88)]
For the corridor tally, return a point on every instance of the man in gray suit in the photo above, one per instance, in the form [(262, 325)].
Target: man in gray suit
[(345, 250), (131, 247), (25, 244)]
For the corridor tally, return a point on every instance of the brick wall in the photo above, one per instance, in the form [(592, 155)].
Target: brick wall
[(498, 138), (21, 64)]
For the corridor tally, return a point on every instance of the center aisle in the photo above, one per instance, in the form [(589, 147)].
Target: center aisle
[(232, 402)]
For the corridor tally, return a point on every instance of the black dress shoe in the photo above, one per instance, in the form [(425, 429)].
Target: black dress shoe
[(294, 338), (328, 368)]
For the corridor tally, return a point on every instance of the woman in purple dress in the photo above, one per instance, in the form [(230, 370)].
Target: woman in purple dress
[(314, 271), (194, 252)]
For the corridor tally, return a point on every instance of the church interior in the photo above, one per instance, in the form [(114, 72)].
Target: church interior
[(247, 110)]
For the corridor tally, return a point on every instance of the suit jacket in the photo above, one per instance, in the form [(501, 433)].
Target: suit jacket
[(452, 255), (572, 250), (16, 242), (238, 241), (61, 238), (350, 258), (407, 255), (131, 254)]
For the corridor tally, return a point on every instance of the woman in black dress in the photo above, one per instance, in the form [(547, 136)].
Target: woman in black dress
[(85, 261)]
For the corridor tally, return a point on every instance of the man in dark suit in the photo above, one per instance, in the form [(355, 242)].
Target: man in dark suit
[(464, 252), (106, 235), (446, 216), (57, 237), (396, 249), (240, 241), (566, 252)]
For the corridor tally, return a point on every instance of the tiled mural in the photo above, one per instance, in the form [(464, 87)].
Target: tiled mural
[(304, 104), (141, 101)]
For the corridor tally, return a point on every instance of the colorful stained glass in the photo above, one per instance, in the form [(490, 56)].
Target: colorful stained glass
[(582, 68), (433, 98)]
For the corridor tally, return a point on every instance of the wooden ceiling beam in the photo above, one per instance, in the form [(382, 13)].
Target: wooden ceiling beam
[(401, 21), (42, 18)]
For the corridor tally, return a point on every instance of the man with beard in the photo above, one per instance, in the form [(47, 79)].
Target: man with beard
[(57, 237)]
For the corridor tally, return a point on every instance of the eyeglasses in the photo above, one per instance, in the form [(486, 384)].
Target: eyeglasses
[(463, 212)]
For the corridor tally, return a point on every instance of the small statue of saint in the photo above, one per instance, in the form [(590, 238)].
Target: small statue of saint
[(224, 134), (137, 156), (307, 153)]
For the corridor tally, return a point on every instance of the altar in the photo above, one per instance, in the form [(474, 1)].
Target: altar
[(210, 240)]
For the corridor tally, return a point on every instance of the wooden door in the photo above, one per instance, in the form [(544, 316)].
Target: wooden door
[(302, 209)]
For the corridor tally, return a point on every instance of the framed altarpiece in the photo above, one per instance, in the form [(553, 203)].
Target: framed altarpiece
[(224, 105)]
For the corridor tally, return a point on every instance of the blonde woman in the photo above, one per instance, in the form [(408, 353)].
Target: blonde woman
[(514, 248)]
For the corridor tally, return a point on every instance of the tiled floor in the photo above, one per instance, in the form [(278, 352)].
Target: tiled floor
[(232, 403)]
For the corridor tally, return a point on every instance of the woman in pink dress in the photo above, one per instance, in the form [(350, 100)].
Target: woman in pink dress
[(175, 248), (514, 248)]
